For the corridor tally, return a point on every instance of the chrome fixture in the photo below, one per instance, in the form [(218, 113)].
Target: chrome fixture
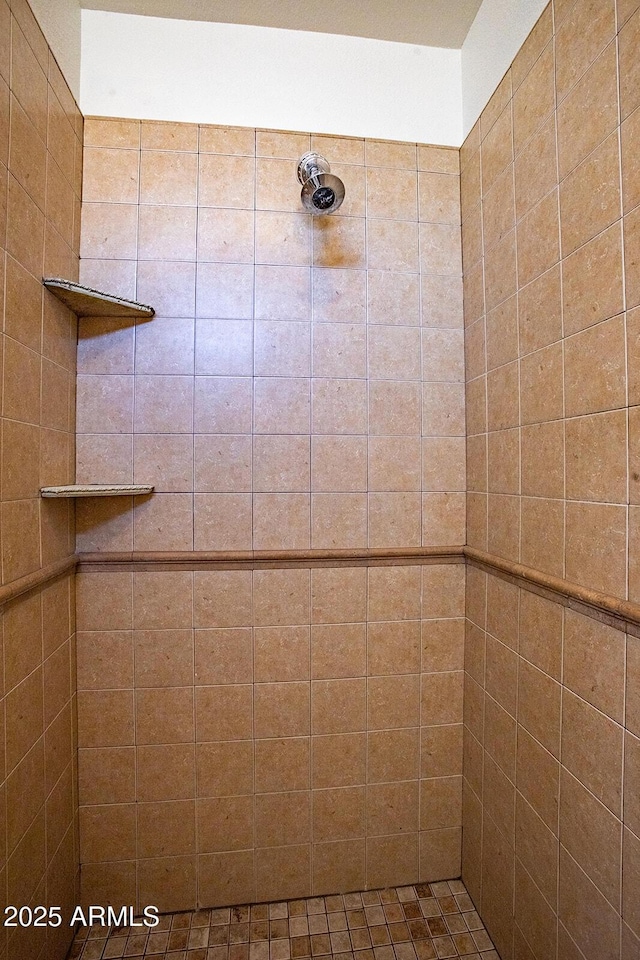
[(322, 192)]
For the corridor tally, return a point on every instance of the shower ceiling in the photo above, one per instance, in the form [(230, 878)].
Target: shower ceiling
[(435, 23)]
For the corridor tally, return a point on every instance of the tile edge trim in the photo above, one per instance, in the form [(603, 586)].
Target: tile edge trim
[(622, 614)]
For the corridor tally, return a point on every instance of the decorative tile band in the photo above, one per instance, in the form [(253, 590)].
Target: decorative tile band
[(622, 614), (269, 559), (32, 581)]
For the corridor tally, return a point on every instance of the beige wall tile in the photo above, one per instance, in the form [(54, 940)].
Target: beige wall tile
[(339, 242), (441, 750), (588, 917), (226, 181), (102, 828), (106, 775), (630, 880), (598, 88), (338, 464), (502, 334), (591, 387), (105, 718), (281, 521), (164, 716), (537, 778), (441, 698), (542, 534), (631, 704), (221, 405), (535, 168), (225, 235), (592, 555), (631, 767), (281, 597), (165, 772), (281, 709), (392, 808), (282, 818), (338, 650), (586, 440), (281, 653), (594, 267), (497, 150), (111, 175), (391, 859), (439, 197), (540, 629), (224, 712), (338, 596), (600, 767), (227, 878), (534, 99), (104, 660), (338, 706), (533, 913), (281, 765), (394, 519), (538, 239), (393, 755), (540, 312), (537, 849), (171, 287), (167, 177), (338, 814), (169, 881), (339, 760), (542, 463), (393, 647), (100, 132), (594, 663), (392, 197), (168, 136), (339, 296), (440, 250), (224, 769), (590, 196), (592, 835), (227, 140), (336, 863), (539, 699), (283, 871), (166, 829), (579, 39), (394, 408), (632, 241), (394, 593), (223, 656)]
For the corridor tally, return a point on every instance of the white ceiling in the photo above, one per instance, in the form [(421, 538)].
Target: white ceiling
[(434, 23)]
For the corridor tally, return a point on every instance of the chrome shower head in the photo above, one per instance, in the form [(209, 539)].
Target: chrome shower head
[(322, 192)]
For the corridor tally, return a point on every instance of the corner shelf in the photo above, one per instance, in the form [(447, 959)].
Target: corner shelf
[(86, 302), (97, 490)]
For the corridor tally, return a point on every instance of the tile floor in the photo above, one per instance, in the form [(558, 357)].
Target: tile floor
[(423, 922)]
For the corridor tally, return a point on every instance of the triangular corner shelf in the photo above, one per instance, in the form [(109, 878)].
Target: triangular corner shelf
[(86, 302), (97, 490)]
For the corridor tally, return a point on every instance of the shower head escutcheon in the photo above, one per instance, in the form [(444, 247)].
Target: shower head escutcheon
[(322, 192)]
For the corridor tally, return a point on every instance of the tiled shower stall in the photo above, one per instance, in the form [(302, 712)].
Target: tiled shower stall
[(375, 627), (301, 389)]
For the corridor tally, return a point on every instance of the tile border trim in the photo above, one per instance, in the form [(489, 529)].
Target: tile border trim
[(267, 559), (621, 614), (36, 579)]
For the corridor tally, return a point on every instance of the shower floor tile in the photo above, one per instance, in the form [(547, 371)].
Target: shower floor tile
[(423, 922)]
